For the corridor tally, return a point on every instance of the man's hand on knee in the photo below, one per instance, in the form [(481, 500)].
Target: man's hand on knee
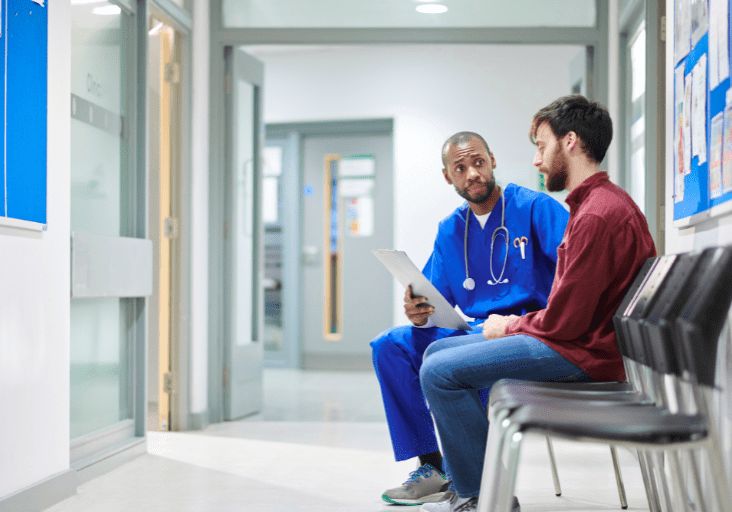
[(495, 326)]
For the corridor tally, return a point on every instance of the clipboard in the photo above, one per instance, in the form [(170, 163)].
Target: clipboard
[(407, 273)]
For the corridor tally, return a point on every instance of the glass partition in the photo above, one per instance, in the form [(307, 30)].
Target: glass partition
[(404, 14), (100, 197)]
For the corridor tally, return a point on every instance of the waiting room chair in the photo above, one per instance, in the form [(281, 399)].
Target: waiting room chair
[(652, 428)]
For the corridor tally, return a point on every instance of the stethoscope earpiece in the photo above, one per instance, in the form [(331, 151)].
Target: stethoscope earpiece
[(469, 283)]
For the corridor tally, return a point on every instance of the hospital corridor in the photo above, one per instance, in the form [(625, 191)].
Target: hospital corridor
[(351, 256)]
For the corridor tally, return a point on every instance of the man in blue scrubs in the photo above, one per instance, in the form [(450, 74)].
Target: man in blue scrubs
[(511, 245)]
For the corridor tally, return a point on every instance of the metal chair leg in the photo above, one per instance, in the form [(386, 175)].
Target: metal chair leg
[(618, 478), (553, 464), (649, 483), (514, 438), (696, 481), (681, 495), (658, 466), (493, 470)]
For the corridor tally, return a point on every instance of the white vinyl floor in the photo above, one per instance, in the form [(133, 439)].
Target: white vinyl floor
[(321, 444)]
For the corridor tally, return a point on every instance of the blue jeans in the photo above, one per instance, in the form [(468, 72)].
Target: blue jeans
[(453, 371)]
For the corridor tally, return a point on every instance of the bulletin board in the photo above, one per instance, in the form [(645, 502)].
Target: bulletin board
[(24, 78)]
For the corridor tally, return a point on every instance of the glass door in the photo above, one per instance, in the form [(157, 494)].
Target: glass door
[(243, 283), (111, 268)]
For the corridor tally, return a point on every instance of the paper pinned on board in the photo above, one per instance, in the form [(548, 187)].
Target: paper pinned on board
[(679, 135), (715, 164), (39, 2), (699, 110), (686, 133), (407, 273)]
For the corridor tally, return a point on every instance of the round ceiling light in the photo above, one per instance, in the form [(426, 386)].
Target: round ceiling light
[(431, 8)]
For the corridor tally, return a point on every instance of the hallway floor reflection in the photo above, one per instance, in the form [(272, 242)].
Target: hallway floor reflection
[(321, 444)]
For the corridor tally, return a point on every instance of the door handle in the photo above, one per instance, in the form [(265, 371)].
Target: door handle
[(310, 256)]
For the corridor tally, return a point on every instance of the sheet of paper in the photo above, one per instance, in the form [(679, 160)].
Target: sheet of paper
[(715, 157), (723, 34), (678, 134), (714, 44), (727, 152), (699, 20), (686, 132), (683, 29), (699, 110), (406, 272)]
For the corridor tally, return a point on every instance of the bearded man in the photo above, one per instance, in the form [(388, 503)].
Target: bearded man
[(572, 339)]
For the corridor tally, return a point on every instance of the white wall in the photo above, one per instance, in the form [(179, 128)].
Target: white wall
[(431, 91), (199, 210), (34, 305)]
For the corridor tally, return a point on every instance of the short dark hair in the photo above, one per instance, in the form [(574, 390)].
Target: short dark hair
[(461, 138), (588, 119)]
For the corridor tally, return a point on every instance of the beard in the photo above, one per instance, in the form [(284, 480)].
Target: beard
[(556, 177), (481, 197)]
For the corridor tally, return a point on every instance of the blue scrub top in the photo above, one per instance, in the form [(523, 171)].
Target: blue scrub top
[(534, 215)]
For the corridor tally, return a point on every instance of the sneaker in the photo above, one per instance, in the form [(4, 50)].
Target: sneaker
[(457, 504), (445, 493), (454, 504), (424, 484)]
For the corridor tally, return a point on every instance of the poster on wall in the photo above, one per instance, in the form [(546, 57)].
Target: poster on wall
[(359, 216), (699, 20), (686, 132), (715, 157), (718, 42), (727, 152), (699, 110), (683, 29), (679, 136), (722, 22)]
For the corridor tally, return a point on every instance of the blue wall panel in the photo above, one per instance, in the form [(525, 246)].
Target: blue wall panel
[(26, 104)]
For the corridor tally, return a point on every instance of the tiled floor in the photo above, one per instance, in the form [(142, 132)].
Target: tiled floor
[(321, 444)]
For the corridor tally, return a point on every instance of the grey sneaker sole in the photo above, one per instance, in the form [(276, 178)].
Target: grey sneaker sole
[(438, 496), (403, 501)]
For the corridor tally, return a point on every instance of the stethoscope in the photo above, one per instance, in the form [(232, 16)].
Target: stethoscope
[(469, 283)]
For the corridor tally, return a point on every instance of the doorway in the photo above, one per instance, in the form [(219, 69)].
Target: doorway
[(164, 127), (325, 311)]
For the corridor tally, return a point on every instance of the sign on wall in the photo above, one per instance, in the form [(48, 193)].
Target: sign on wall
[(23, 150)]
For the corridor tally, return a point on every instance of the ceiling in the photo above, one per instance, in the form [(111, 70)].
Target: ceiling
[(402, 13)]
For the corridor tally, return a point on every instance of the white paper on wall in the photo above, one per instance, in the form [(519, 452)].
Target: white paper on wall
[(699, 19), (723, 34), (686, 131), (678, 134), (715, 157), (699, 110), (683, 29), (727, 151), (714, 7)]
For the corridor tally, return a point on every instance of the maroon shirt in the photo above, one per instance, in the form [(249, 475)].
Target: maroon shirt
[(604, 246)]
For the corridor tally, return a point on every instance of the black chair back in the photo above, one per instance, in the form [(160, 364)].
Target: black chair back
[(703, 316), (657, 326), (623, 346), (641, 306)]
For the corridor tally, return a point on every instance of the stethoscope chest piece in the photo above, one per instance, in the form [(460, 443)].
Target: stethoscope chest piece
[(469, 283)]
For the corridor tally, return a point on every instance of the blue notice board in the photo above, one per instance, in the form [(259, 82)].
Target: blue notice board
[(700, 188), (23, 152)]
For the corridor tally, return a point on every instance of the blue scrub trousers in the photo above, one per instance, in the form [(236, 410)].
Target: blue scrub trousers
[(397, 355), (453, 371)]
